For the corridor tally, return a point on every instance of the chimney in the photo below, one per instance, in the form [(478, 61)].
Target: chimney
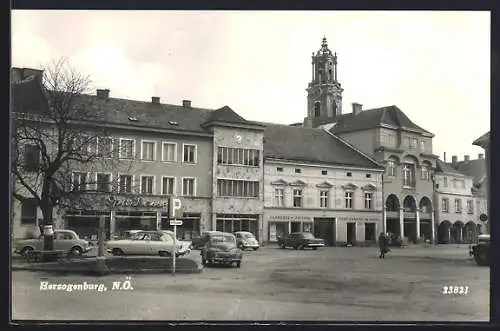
[(454, 159), (155, 100), (102, 94), (480, 156), (466, 158), (444, 157), (186, 103), (356, 108)]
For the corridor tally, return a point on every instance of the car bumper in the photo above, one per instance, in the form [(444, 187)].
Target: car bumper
[(225, 259), (315, 245), (251, 245)]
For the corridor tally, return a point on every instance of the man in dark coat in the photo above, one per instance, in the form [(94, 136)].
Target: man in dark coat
[(383, 245)]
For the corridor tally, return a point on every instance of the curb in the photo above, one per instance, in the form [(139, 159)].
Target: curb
[(92, 272)]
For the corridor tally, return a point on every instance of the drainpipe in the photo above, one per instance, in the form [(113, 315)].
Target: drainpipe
[(384, 212)]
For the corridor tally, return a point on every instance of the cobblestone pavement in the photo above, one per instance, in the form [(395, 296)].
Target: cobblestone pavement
[(274, 284)]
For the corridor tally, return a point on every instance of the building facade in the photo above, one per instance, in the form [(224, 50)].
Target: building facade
[(457, 205), (152, 151), (390, 137), (315, 182)]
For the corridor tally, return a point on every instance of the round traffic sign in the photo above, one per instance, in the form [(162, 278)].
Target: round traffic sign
[(483, 217)]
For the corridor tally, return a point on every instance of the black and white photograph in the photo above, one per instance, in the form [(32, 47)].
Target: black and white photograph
[(250, 165)]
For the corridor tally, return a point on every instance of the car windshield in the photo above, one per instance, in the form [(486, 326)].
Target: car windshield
[(308, 236), (247, 235), (222, 240)]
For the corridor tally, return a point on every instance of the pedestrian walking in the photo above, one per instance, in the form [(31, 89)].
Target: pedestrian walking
[(383, 245)]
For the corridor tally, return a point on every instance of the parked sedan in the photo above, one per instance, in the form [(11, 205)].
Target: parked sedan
[(185, 245), (300, 240), (145, 243), (246, 240), (199, 241), (66, 240), (221, 248)]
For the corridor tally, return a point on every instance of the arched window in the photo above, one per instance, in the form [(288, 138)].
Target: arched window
[(317, 108)]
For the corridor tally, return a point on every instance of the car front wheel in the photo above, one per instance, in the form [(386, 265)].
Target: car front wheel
[(26, 251), (315, 248), (117, 252), (481, 256), (282, 246), (76, 251)]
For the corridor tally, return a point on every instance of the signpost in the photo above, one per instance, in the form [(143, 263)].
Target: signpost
[(175, 206)]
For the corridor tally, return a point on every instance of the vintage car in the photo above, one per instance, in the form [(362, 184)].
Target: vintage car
[(246, 240), (66, 240), (221, 248), (300, 240), (197, 242), (481, 250), (186, 245), (145, 243)]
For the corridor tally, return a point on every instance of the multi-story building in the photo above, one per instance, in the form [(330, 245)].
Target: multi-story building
[(158, 150), (389, 136), (484, 142), (457, 205), (477, 170), (315, 181)]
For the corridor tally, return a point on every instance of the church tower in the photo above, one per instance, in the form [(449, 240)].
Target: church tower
[(324, 93)]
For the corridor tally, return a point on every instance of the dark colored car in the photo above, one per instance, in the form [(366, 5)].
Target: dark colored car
[(300, 240), (198, 241), (221, 248), (481, 250)]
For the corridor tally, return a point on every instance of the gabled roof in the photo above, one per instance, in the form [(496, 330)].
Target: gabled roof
[(147, 114), (473, 168), (310, 145), (446, 168), (372, 118), (226, 114), (28, 96)]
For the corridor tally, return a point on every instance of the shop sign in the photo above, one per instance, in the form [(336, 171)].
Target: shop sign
[(292, 218), (358, 219), (114, 202)]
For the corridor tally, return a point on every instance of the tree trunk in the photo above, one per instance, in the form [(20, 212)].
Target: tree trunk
[(48, 233)]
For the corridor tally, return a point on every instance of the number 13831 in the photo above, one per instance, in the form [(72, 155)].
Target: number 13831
[(459, 290)]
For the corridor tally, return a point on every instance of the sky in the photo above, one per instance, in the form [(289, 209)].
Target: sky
[(434, 65)]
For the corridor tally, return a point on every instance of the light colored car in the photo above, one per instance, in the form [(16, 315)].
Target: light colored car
[(66, 240), (185, 245), (246, 240), (144, 243)]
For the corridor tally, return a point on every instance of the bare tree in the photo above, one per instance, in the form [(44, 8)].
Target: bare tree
[(64, 133)]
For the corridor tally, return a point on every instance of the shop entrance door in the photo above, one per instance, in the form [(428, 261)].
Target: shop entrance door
[(295, 227), (324, 228), (351, 232)]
